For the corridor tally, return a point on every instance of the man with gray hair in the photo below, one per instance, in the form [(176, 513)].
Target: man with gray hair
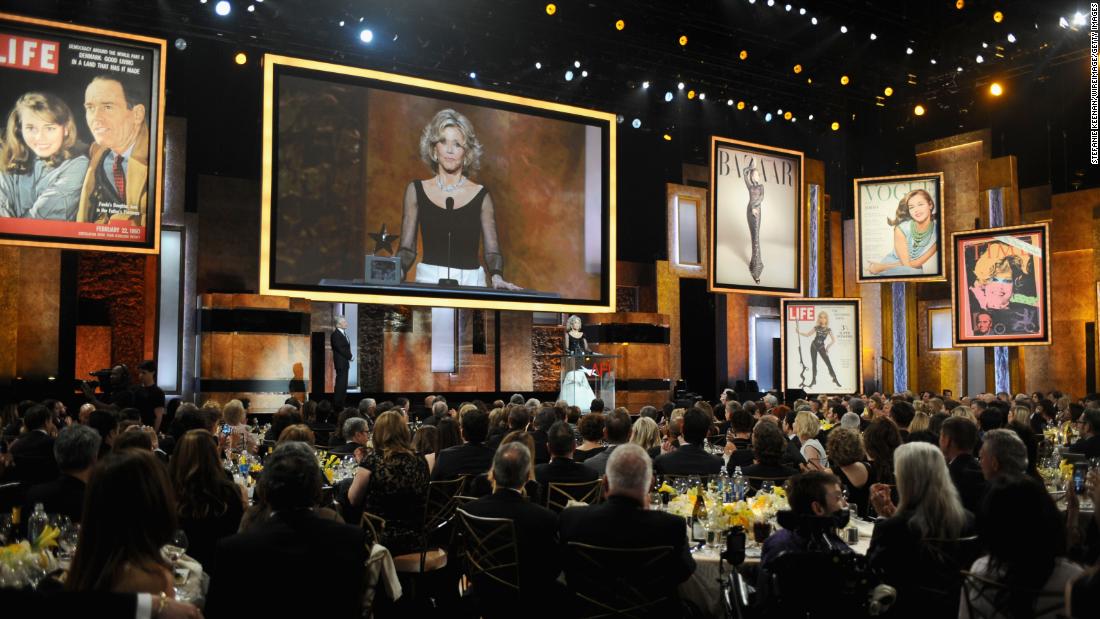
[(341, 361), (850, 420), (1002, 453), (76, 450), (770, 401), (356, 434), (517, 398), (535, 525), (623, 521), (439, 411)]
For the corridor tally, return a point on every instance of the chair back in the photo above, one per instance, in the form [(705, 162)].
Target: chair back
[(931, 588), (986, 598), (799, 581), (491, 554), (558, 494), (624, 582), (442, 500)]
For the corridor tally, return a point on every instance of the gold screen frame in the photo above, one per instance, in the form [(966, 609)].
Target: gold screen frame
[(158, 184), (270, 61)]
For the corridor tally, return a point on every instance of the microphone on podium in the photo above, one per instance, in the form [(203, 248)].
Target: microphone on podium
[(448, 281)]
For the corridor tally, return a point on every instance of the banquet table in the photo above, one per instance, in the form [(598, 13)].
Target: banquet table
[(703, 589)]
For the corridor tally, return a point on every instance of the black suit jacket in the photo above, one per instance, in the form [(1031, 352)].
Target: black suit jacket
[(689, 459), (1090, 446), (64, 495), (743, 457), (341, 350), (536, 537), (542, 452), (33, 456), (346, 449), (967, 475), (563, 471), (621, 522), (465, 459), (259, 559), (792, 456)]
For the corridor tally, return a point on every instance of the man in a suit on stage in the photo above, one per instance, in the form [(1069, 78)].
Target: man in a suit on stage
[(341, 360)]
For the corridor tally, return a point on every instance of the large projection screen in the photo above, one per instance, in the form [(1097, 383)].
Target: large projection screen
[(382, 188), (83, 116)]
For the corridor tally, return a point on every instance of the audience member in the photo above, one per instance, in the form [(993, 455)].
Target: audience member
[(647, 435), (850, 466), (692, 457), (356, 436), (807, 427), (739, 440), (1089, 444), (545, 418), (1002, 453), (958, 437), (562, 468), (297, 432), (32, 452), (880, 439), (768, 446), (815, 494), (76, 451), (472, 457), (283, 418), (616, 431), (591, 429)]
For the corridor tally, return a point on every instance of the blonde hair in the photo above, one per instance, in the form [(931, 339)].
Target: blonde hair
[(964, 411), (233, 412), (920, 422), (433, 134), (645, 433), (15, 155), (806, 424), (1021, 415)]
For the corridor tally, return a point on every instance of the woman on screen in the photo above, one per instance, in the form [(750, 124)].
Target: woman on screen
[(915, 236), (453, 212), (574, 385), (818, 348), (42, 165)]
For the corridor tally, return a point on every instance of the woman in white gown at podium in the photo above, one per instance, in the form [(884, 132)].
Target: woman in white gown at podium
[(574, 384)]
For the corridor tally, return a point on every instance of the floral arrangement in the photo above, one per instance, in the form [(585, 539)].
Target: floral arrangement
[(761, 508), (19, 560)]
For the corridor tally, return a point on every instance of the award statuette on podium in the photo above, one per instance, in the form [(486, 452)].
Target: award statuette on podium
[(382, 269)]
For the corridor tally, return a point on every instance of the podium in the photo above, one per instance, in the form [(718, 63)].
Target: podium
[(586, 376)]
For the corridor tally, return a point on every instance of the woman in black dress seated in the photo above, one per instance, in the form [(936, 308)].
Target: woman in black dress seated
[(454, 213), (849, 465), (392, 483), (209, 504)]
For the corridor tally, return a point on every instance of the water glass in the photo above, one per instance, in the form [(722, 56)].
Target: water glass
[(767, 486)]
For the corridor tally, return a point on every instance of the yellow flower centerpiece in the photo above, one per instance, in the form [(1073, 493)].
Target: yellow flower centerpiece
[(17, 559)]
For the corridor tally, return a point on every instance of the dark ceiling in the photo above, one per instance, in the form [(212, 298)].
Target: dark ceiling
[(1042, 118)]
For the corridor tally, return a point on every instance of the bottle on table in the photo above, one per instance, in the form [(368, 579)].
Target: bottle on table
[(38, 522), (738, 483)]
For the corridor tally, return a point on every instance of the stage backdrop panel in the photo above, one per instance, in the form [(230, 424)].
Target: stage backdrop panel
[(899, 228), (352, 200), (756, 218), (821, 345), (1000, 286), (81, 166)]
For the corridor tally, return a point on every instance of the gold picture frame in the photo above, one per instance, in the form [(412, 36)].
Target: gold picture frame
[(897, 180), (678, 197)]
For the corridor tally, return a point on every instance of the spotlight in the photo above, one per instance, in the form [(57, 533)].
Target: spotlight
[(620, 24), (779, 111), (844, 80), (787, 8), (959, 69), (998, 17), (979, 59), (729, 102), (873, 36), (551, 8), (908, 51), (740, 105), (341, 23), (959, 4), (569, 75), (680, 86), (771, 2), (365, 35), (787, 116), (576, 64), (252, 8), (584, 73), (744, 54), (702, 96), (223, 8), (801, 11), (918, 110), (797, 68), (810, 117), (181, 44), (1063, 23), (985, 45), (756, 108), (645, 85), (1078, 19), (995, 89), (691, 94), (888, 91), (240, 58), (933, 61), (835, 126), (1011, 38), (619, 118), (683, 40), (844, 30), (473, 75), (768, 117), (538, 65), (668, 96), (667, 137), (813, 20), (636, 123)]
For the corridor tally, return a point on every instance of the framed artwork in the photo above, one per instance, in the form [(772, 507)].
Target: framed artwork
[(1000, 287), (939, 328), (821, 344), (687, 230), (756, 218), (899, 228), (82, 162)]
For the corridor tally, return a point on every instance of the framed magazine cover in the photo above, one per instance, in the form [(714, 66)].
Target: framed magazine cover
[(821, 344), (1001, 286), (899, 228), (757, 218)]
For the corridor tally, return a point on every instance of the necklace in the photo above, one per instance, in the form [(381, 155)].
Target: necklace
[(919, 238), (452, 187)]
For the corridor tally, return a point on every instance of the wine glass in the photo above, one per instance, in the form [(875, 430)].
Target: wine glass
[(67, 541), (177, 546), (767, 486)]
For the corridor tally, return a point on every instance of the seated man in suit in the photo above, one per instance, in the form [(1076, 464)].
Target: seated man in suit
[(76, 451), (562, 468), (544, 418), (958, 436), (624, 521), (691, 458), (1002, 453), (294, 535), (1089, 444), (739, 447), (616, 431), (356, 435), (32, 452), (535, 526), (470, 458)]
